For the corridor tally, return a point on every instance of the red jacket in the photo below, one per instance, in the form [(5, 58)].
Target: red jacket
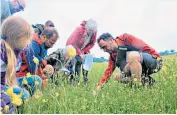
[(126, 40), (77, 39)]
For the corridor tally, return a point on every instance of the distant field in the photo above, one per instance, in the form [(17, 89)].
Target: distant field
[(113, 98)]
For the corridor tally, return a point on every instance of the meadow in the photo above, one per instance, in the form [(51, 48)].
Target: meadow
[(114, 97)]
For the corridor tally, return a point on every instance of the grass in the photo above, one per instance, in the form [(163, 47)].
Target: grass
[(113, 98)]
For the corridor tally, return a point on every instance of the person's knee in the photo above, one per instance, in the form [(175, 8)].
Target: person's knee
[(133, 55)]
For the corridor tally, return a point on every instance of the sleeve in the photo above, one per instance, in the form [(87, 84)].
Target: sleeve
[(107, 74), (34, 51)]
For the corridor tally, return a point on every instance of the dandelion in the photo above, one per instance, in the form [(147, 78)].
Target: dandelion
[(25, 82), (10, 91), (44, 100), (158, 58), (26, 101), (17, 101), (176, 111), (164, 68), (6, 108), (1, 110), (56, 94), (71, 51), (36, 96), (156, 70), (28, 74), (37, 83), (135, 80), (35, 60)]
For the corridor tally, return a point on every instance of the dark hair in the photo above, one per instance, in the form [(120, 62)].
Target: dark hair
[(49, 23), (49, 33), (105, 37)]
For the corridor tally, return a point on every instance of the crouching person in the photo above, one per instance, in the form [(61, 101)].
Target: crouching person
[(33, 59), (60, 60), (133, 56), (16, 33)]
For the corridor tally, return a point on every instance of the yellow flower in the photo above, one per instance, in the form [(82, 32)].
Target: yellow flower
[(6, 108), (176, 111), (164, 68), (17, 101), (36, 96), (44, 100), (26, 101), (35, 60), (36, 82), (155, 70), (133, 75), (10, 91), (1, 110), (71, 52), (25, 81), (57, 94), (135, 79), (158, 58), (28, 74)]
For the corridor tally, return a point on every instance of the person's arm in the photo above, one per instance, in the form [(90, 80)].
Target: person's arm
[(107, 74), (31, 53), (140, 44)]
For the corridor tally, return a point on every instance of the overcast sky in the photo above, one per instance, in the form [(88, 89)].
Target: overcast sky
[(154, 21)]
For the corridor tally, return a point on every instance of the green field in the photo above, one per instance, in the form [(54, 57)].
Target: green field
[(113, 98)]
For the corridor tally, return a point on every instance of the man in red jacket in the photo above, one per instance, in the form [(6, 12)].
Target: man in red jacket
[(130, 54), (83, 39)]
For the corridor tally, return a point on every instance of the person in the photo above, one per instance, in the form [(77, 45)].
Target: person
[(60, 60), (16, 33), (38, 28), (38, 50), (132, 63), (83, 39), (9, 7)]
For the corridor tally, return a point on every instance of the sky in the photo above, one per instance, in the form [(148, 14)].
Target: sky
[(153, 21)]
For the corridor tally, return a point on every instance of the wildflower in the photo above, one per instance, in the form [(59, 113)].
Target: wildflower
[(56, 94), (1, 110), (155, 70), (44, 100), (176, 111), (6, 108), (26, 101), (35, 60), (164, 68), (158, 58), (36, 96), (71, 51), (25, 82), (135, 79), (16, 100), (10, 91), (28, 74), (37, 83)]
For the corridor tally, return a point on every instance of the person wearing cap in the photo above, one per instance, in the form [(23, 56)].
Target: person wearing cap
[(140, 56), (9, 7), (83, 39), (38, 28), (60, 60)]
